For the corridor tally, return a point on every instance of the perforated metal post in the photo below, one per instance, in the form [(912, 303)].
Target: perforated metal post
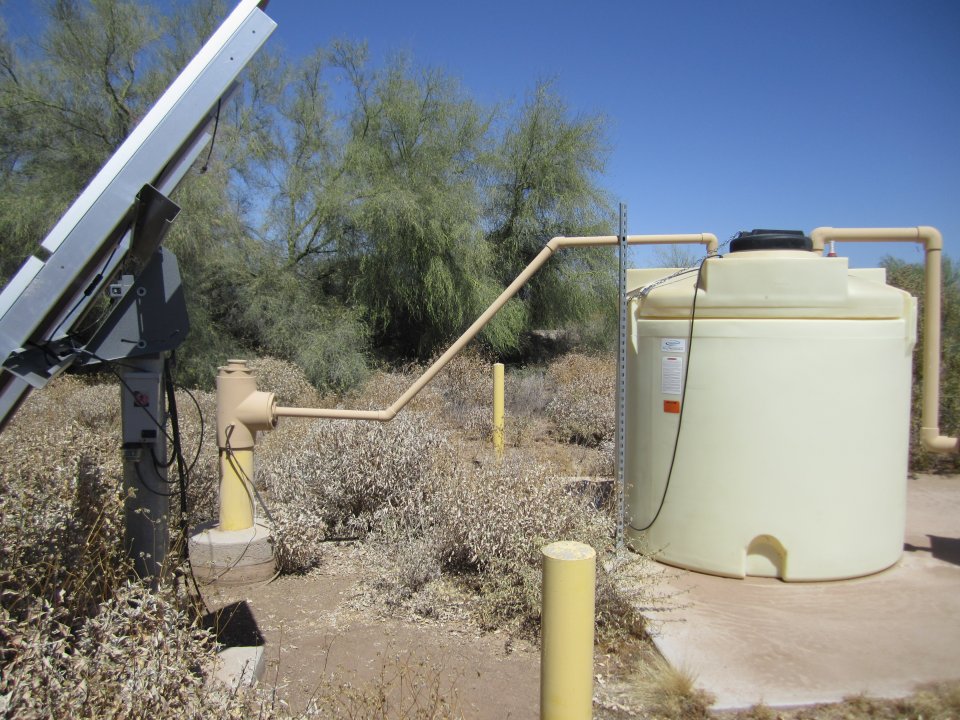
[(622, 374)]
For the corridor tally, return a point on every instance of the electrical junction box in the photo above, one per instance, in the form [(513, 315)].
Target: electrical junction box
[(143, 413)]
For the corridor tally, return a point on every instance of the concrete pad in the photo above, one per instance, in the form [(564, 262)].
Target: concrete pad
[(240, 666), (761, 640)]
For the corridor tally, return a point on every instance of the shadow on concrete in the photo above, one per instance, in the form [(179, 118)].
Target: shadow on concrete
[(234, 625), (941, 548)]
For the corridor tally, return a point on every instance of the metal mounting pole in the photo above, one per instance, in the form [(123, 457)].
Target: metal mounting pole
[(621, 374), (145, 488)]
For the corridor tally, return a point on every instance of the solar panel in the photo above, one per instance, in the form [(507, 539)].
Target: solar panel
[(122, 214)]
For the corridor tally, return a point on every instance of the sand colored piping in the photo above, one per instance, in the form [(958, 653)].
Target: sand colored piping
[(242, 411), (932, 241), (557, 243)]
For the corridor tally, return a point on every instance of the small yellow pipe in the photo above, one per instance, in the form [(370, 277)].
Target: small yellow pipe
[(236, 495), (932, 241), (498, 409), (566, 622)]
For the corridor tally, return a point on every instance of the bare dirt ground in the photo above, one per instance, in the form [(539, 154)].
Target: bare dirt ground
[(325, 627)]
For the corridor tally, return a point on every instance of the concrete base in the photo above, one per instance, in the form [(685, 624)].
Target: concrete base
[(759, 640), (240, 666), (232, 557)]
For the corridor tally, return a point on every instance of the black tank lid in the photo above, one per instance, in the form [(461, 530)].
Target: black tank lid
[(770, 240)]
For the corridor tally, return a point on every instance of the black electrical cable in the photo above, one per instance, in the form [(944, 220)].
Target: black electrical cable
[(182, 470), (213, 139), (683, 398), (177, 446), (139, 474), (248, 483), (196, 456)]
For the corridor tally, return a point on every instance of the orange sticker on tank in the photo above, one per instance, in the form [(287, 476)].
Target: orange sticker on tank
[(671, 406)]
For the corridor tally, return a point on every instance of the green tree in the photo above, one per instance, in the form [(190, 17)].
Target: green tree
[(545, 182), (64, 111), (412, 158), (910, 277)]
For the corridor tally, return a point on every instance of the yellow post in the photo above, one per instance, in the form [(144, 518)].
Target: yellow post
[(566, 622), (498, 409)]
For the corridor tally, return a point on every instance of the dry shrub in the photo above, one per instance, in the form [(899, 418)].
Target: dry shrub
[(139, 655), (346, 479), (286, 380), (60, 502), (76, 639), (466, 388), (486, 526), (583, 405), (405, 688)]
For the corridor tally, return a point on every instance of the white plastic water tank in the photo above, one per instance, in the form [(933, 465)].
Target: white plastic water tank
[(794, 394)]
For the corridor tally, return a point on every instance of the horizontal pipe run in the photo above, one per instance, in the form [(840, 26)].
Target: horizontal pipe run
[(932, 241), (552, 246)]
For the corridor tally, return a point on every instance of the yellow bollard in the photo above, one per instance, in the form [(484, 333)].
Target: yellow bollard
[(566, 623), (498, 409)]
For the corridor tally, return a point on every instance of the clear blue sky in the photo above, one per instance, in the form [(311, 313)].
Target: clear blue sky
[(722, 115)]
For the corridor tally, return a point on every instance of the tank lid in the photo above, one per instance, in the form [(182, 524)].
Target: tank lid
[(770, 240)]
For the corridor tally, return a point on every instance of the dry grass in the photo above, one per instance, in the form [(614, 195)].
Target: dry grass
[(670, 693), (405, 688)]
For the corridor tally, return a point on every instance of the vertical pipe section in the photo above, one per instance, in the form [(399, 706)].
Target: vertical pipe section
[(242, 411), (932, 241), (567, 622), (498, 409)]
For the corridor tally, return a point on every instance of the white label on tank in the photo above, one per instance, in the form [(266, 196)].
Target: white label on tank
[(671, 375), (673, 345)]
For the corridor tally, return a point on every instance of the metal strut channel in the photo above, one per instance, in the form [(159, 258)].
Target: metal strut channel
[(621, 374)]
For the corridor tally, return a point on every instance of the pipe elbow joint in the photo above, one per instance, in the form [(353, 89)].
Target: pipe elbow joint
[(819, 237), (932, 440), (931, 237)]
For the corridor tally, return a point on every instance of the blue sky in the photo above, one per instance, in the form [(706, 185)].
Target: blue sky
[(722, 115)]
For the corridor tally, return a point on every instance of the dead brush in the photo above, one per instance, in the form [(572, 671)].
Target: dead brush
[(347, 479), (76, 639), (406, 687), (466, 388), (582, 408), (286, 380)]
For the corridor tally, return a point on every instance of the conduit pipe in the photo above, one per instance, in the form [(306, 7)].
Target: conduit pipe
[(557, 243), (932, 241)]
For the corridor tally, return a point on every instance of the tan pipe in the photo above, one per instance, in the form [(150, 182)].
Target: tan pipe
[(932, 241), (555, 244)]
